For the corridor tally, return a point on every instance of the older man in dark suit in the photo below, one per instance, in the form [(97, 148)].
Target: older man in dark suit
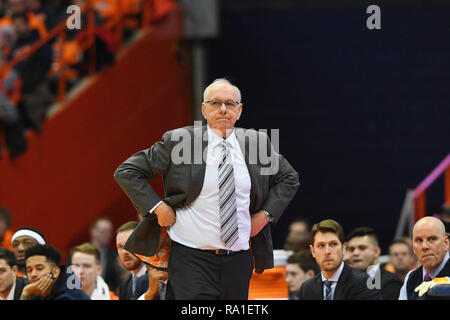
[(224, 187), (337, 280)]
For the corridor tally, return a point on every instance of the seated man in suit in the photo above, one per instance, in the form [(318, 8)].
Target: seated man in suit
[(135, 283), (363, 249), (337, 280), (430, 244), (10, 285)]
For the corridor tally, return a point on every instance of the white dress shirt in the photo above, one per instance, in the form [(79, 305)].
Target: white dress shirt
[(198, 224), (334, 279)]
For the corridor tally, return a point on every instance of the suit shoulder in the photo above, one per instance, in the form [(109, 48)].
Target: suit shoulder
[(389, 276)]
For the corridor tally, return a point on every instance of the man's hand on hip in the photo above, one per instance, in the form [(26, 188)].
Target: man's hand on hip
[(165, 214), (259, 220)]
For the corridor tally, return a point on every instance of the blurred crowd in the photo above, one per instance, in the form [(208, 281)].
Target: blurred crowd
[(28, 89), (31, 268)]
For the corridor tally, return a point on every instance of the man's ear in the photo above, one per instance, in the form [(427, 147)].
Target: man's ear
[(56, 272), (15, 268), (312, 250)]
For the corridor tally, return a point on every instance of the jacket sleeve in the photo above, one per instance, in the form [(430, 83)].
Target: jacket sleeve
[(132, 174), (283, 183)]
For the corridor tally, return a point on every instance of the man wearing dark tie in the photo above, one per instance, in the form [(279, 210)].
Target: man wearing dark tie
[(337, 280), (224, 188), (430, 244)]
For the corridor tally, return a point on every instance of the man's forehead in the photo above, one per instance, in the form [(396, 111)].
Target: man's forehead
[(357, 241), (25, 238), (222, 90), (35, 260), (325, 237)]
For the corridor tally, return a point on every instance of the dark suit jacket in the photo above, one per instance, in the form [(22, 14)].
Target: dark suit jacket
[(416, 278), (390, 285), (352, 285), (125, 287), (183, 183), (20, 284)]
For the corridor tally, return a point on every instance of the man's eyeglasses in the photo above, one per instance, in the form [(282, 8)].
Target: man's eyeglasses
[(228, 104)]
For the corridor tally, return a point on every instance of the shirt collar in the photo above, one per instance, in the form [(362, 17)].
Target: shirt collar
[(214, 139), (140, 273), (438, 269), (336, 275)]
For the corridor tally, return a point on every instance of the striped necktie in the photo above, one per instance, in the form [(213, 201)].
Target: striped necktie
[(427, 277), (328, 291), (227, 199)]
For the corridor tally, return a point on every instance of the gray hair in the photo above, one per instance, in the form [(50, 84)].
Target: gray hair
[(222, 81)]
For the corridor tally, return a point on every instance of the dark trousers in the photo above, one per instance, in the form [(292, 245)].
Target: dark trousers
[(200, 275)]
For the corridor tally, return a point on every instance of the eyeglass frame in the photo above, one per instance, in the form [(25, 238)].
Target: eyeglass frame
[(235, 104)]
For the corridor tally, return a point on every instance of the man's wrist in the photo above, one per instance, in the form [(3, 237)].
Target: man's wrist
[(268, 216)]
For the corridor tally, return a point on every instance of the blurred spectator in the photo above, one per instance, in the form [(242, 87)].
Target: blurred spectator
[(299, 226), (430, 245), (401, 258), (364, 251), (300, 267), (10, 285), (23, 239), (10, 95), (444, 215), (136, 282), (56, 11), (101, 233), (32, 71), (49, 280), (106, 44), (337, 280), (86, 257), (15, 7), (5, 233)]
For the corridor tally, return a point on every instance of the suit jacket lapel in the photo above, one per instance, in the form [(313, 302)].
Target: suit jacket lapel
[(197, 174), (342, 281), (252, 168)]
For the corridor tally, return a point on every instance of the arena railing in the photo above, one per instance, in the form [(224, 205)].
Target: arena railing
[(419, 193), (117, 26)]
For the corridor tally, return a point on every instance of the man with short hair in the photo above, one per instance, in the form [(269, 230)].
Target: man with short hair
[(364, 250), (10, 285), (23, 239), (135, 283), (401, 258), (337, 280), (299, 268), (49, 280), (224, 188), (430, 244), (86, 259)]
